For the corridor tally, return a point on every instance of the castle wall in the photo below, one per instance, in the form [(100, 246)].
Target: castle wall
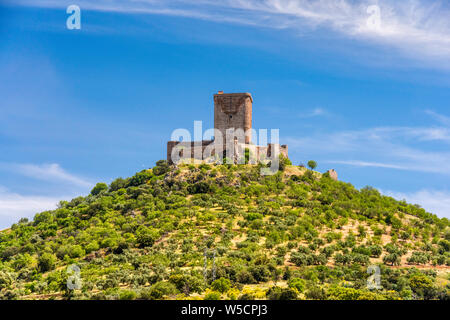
[(196, 149)]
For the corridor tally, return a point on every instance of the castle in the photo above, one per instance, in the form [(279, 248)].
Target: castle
[(232, 134)]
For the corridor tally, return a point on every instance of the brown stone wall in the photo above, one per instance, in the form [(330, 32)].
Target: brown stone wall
[(233, 110), (283, 149), (194, 146), (333, 174)]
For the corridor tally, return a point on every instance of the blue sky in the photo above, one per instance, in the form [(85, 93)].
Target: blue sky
[(90, 105)]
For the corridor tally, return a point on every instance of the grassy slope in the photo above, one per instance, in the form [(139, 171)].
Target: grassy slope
[(145, 237)]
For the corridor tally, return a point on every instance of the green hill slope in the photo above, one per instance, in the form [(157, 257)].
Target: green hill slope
[(226, 232)]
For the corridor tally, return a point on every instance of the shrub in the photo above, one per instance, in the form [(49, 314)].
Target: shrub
[(118, 184), (283, 162), (158, 291), (298, 284), (316, 293), (127, 295), (46, 262), (99, 187), (422, 286), (277, 293), (162, 167), (212, 295), (146, 236), (221, 285), (140, 178), (76, 251)]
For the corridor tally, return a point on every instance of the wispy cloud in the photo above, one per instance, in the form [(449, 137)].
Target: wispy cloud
[(46, 172), (64, 185), (435, 201), (439, 117), (401, 148), (316, 112), (370, 164), (417, 28), (14, 206)]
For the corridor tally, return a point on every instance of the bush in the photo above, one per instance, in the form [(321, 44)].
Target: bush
[(342, 293), (187, 283), (140, 178), (46, 262), (92, 246), (277, 293), (316, 293), (418, 258), (283, 162), (422, 286), (146, 236), (161, 168), (99, 187), (298, 284), (199, 187), (221, 285), (76, 251), (158, 291), (127, 295), (117, 184)]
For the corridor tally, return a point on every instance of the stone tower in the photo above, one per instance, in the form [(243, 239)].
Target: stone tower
[(233, 110)]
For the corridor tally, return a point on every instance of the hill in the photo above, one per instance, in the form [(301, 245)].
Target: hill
[(226, 232)]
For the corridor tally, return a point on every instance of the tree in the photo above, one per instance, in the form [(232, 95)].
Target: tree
[(46, 262), (146, 236), (312, 164), (99, 187), (117, 184), (392, 258)]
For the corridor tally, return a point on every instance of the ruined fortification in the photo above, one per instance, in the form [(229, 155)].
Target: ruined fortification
[(231, 111)]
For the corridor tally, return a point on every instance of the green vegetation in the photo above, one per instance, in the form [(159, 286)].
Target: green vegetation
[(312, 164), (296, 234)]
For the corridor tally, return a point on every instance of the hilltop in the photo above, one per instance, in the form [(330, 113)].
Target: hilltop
[(226, 232)]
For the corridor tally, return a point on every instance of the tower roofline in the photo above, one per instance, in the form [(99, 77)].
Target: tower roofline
[(221, 93)]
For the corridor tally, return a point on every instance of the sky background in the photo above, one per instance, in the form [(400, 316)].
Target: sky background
[(83, 106)]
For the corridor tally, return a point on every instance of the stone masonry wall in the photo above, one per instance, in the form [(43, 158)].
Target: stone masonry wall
[(233, 110)]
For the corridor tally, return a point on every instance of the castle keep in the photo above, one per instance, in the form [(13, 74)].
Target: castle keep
[(232, 131)]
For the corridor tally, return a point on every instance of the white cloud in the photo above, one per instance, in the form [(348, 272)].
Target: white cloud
[(46, 172), (314, 113), (14, 206), (434, 201), (439, 117), (370, 164), (417, 28), (385, 147)]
